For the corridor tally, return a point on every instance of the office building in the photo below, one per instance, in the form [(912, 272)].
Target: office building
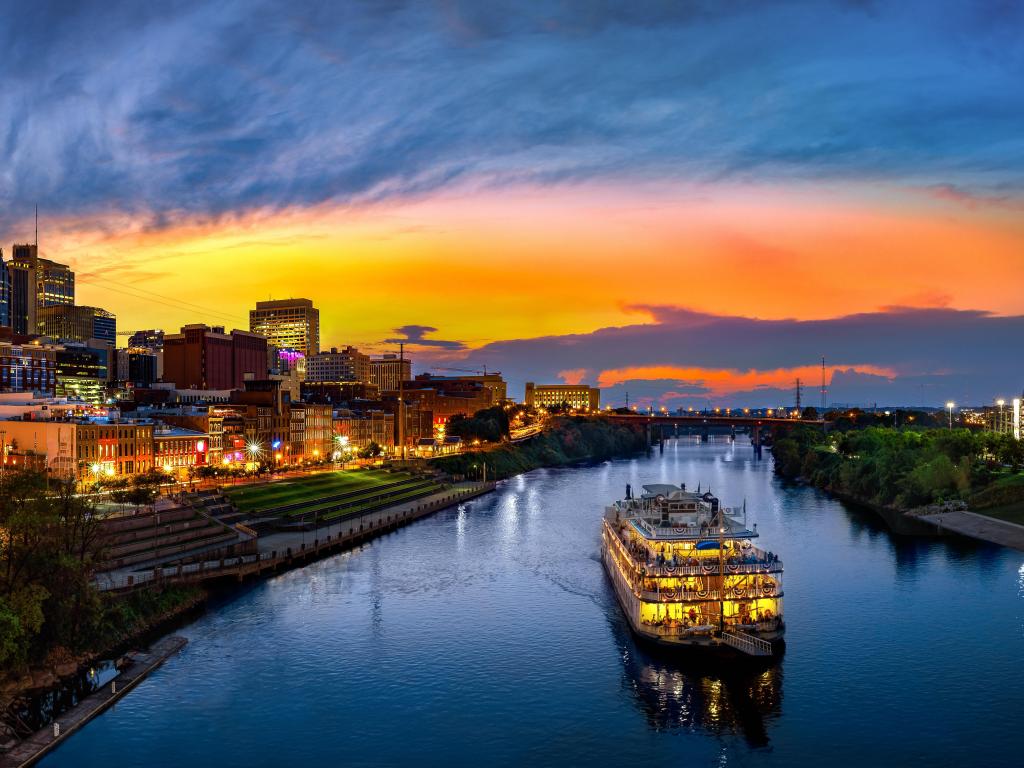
[(36, 283), (152, 338), (493, 382), (578, 397), (28, 368), (82, 373), (177, 449), (137, 366), (386, 371), (357, 429), (77, 323), (201, 357), (446, 396), (5, 293), (288, 324), (348, 364)]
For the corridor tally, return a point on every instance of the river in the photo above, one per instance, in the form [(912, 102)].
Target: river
[(488, 634)]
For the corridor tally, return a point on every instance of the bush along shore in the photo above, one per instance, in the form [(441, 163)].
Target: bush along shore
[(567, 440), (909, 470), (52, 619), (34, 692)]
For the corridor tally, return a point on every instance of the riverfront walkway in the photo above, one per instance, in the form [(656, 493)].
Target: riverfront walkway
[(978, 527), (290, 548), (37, 745)]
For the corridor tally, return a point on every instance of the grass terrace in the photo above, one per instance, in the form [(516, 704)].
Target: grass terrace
[(332, 495)]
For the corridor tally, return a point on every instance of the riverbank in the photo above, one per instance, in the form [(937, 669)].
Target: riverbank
[(934, 482), (567, 440), (34, 748), (138, 607), (139, 618)]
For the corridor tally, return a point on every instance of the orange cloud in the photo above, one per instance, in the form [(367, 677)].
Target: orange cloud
[(574, 376), (488, 265), (723, 381)]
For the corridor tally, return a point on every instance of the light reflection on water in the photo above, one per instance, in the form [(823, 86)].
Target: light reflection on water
[(489, 634)]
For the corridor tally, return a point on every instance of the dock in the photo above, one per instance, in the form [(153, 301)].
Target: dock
[(977, 526), (35, 747)]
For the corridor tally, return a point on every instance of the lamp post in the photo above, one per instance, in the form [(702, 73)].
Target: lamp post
[(1002, 422), (253, 449), (949, 407)]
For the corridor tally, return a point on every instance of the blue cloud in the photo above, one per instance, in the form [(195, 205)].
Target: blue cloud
[(416, 336), (203, 108), (935, 355)]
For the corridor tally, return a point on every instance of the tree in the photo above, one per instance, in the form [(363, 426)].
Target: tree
[(488, 425), (47, 557), (371, 451)]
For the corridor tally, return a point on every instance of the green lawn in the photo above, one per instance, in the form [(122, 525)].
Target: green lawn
[(259, 497), (1002, 499), (1013, 513)]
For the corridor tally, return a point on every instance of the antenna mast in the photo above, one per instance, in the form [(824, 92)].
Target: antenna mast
[(823, 387), (37, 227), (401, 397)]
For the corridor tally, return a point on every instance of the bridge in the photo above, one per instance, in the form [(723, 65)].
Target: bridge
[(706, 422)]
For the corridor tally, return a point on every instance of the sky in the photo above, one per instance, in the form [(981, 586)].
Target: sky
[(688, 202)]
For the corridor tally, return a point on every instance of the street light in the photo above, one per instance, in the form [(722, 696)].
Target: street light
[(254, 450), (950, 406), (1002, 422)]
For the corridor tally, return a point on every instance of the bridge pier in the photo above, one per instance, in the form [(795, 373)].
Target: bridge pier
[(705, 435)]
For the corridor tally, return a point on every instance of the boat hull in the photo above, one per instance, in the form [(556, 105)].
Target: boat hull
[(691, 645)]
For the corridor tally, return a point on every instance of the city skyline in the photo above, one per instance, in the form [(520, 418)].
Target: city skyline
[(641, 184)]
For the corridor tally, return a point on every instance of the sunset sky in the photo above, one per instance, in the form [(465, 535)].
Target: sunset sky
[(691, 202)]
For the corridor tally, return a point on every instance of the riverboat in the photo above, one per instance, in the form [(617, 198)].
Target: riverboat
[(687, 574)]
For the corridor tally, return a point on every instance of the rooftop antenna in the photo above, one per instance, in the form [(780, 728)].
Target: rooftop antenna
[(37, 226), (823, 385)]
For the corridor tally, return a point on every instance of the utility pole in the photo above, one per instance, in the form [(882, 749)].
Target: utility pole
[(401, 397), (823, 391), (798, 409)]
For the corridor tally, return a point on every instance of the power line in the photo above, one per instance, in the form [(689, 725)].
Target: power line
[(180, 304)]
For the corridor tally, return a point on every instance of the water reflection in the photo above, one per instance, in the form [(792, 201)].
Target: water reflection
[(679, 695)]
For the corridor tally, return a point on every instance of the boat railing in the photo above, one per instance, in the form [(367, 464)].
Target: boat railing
[(669, 596), (711, 568), (679, 631), (672, 596), (749, 644)]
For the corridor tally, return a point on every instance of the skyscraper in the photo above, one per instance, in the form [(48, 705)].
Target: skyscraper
[(77, 323), (5, 293), (36, 283), (288, 324)]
